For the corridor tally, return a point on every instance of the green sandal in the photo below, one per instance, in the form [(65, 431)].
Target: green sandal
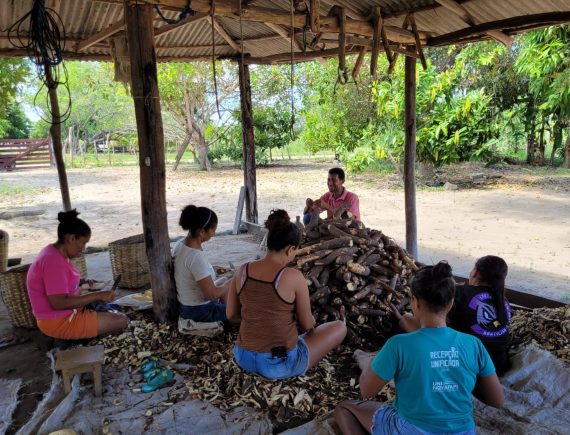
[(148, 365), (162, 378)]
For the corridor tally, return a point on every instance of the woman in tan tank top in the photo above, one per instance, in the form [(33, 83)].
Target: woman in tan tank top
[(272, 302)]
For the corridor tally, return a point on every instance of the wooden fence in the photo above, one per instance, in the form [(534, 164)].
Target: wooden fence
[(25, 153)]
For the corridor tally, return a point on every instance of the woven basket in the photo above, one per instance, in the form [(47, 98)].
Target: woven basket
[(128, 259), (81, 265), (15, 296), (3, 250)]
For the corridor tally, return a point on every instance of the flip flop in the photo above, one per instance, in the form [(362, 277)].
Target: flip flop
[(162, 378), (148, 365), (151, 373), (11, 340)]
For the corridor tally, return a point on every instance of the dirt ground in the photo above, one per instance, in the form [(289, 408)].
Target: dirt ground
[(518, 213)]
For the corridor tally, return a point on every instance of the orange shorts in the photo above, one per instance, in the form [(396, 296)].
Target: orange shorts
[(73, 327)]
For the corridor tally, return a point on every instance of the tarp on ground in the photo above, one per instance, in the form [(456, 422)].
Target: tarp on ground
[(8, 401), (122, 410)]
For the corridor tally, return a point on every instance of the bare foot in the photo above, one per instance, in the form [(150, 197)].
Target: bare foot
[(363, 358)]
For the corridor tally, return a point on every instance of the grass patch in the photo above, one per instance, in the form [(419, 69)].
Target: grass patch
[(7, 189)]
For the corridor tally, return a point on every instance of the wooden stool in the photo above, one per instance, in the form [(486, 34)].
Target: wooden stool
[(88, 359)]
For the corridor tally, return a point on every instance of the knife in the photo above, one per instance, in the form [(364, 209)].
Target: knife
[(116, 283)]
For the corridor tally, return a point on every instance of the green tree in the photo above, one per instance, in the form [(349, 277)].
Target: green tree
[(13, 74), (545, 61), (14, 125), (187, 93)]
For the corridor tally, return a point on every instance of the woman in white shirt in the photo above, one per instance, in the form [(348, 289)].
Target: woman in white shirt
[(200, 298)]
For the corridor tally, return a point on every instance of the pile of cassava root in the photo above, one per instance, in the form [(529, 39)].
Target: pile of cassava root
[(355, 272)]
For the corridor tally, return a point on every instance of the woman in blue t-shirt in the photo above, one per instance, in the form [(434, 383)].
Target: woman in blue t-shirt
[(480, 309), (435, 370)]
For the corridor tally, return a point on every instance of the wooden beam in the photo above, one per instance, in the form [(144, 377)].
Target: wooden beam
[(249, 175), (103, 34), (358, 63), (299, 57), (284, 34), (315, 9), (419, 48), (222, 32), (144, 86), (55, 131), (546, 19), (410, 158), (468, 18), (230, 8)]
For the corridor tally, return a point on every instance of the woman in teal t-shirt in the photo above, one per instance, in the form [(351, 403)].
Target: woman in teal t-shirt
[(435, 370)]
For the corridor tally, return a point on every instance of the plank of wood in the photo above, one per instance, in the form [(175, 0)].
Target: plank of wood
[(239, 211)]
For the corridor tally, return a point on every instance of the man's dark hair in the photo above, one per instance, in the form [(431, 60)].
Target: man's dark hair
[(337, 171)]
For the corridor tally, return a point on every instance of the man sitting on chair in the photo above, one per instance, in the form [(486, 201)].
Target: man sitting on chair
[(337, 196)]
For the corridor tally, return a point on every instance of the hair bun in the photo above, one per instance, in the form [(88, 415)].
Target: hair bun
[(67, 216), (442, 270), (277, 219)]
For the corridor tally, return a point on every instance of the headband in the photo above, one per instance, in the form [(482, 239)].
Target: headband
[(208, 221)]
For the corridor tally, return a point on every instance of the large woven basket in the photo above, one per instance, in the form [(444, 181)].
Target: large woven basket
[(128, 259), (81, 265), (15, 296), (3, 250)]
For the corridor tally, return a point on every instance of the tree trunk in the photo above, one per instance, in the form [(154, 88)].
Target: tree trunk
[(410, 158), (139, 20), (541, 146), (201, 148), (566, 163), (557, 144), (531, 138), (180, 152)]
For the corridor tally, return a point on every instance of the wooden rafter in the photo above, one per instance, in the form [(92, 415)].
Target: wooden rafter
[(299, 57), (468, 18), (546, 19), (419, 48), (230, 8), (315, 24), (284, 34), (100, 36), (222, 32), (358, 63)]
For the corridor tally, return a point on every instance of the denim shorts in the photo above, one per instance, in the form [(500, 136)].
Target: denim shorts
[(294, 364), (213, 311), (386, 421)]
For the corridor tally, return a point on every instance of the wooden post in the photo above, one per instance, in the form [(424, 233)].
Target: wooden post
[(248, 143), (410, 158), (139, 21), (55, 131)]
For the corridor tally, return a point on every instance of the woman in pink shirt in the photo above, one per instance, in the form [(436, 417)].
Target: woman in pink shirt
[(53, 286)]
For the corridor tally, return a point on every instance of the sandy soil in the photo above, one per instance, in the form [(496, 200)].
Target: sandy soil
[(516, 213)]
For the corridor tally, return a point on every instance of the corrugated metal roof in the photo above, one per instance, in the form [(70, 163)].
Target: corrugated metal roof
[(83, 19)]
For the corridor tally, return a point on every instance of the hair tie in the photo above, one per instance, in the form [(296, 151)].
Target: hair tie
[(208, 221)]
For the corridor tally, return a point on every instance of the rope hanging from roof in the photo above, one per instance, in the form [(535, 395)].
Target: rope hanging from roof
[(184, 13), (212, 12), (292, 71), (38, 32)]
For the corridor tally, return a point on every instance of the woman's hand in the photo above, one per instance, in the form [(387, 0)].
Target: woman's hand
[(395, 313), (107, 295)]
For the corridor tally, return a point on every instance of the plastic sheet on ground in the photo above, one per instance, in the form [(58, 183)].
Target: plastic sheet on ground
[(121, 410), (537, 397), (8, 401)]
